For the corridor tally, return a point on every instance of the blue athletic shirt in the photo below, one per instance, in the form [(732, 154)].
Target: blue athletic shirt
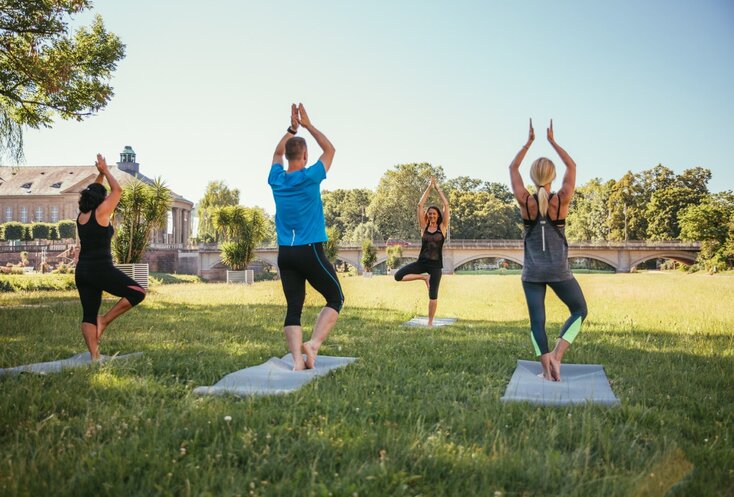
[(299, 214)]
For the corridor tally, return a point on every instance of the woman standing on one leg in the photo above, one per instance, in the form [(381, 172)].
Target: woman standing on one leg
[(546, 251), (94, 271), (434, 224)]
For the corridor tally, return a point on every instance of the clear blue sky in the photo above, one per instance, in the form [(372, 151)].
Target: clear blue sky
[(205, 89)]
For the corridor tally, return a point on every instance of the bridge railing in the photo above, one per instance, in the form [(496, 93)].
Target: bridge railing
[(578, 244)]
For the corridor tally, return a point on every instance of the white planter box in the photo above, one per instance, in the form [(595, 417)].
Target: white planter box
[(138, 272), (247, 276)]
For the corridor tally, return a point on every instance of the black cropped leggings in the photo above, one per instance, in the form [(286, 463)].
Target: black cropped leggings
[(301, 263), (419, 267), (92, 279), (570, 294)]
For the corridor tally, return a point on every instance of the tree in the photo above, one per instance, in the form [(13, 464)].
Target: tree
[(665, 204), (346, 209), (588, 212), (393, 206), (364, 231), (142, 209), (46, 70), (217, 194), (481, 215), (369, 255), (394, 255), (710, 222), (331, 246), (241, 229)]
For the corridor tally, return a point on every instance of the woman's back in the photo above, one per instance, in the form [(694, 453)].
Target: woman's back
[(95, 240)]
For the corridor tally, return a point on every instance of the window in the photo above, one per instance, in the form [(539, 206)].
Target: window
[(8, 214), (54, 214), (26, 185), (39, 214), (56, 185), (24, 214)]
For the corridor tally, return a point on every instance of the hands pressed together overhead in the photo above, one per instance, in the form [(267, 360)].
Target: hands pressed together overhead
[(299, 117)]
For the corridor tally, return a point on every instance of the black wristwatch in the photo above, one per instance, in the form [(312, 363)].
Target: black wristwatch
[(291, 130)]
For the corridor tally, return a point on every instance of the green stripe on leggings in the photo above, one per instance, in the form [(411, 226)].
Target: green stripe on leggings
[(570, 334), (535, 344)]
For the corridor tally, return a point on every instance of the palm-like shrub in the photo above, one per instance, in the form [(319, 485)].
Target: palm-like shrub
[(142, 209), (394, 254), (241, 229), (331, 246)]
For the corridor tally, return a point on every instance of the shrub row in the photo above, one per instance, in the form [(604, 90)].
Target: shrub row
[(37, 231), (36, 282)]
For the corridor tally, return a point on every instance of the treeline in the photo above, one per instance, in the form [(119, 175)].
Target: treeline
[(37, 231), (655, 204)]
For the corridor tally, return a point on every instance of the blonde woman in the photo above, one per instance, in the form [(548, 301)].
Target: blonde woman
[(546, 251)]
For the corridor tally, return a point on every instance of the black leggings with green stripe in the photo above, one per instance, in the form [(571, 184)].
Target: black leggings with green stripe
[(570, 294), (300, 263)]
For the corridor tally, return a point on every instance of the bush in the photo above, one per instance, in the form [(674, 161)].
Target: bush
[(36, 282), (2, 232), (67, 229), (369, 255), (266, 276), (53, 232), (13, 231), (27, 233), (40, 231)]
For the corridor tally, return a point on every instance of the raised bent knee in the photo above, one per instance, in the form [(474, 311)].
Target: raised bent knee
[(136, 296)]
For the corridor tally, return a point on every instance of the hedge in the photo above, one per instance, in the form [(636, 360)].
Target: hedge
[(37, 231), (36, 282)]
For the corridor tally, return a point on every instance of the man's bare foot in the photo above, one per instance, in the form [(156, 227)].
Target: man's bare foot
[(101, 325), (310, 355)]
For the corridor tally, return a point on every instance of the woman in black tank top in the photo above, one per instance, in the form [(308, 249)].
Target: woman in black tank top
[(94, 270), (434, 225)]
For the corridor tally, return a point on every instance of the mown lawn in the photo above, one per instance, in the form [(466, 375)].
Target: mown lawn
[(418, 413)]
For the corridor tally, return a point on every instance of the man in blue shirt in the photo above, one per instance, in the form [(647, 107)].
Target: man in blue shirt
[(299, 223)]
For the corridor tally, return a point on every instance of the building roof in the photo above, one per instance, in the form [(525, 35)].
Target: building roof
[(57, 180)]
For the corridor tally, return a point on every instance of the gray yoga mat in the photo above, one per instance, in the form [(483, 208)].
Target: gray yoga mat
[(580, 383), (75, 361), (273, 377), (423, 321)]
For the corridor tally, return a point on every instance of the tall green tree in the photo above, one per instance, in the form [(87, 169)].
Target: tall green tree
[(481, 215), (217, 194), (393, 206), (346, 209), (666, 204), (142, 209), (710, 222), (48, 70), (588, 213)]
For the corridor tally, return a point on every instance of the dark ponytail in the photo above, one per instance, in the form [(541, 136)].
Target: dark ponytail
[(91, 197)]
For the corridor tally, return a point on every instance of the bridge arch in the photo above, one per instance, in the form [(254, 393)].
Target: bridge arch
[(474, 257), (682, 257), (596, 257)]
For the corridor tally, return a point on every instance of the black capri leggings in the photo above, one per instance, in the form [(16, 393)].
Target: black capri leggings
[(419, 267), (93, 279), (301, 263), (570, 294)]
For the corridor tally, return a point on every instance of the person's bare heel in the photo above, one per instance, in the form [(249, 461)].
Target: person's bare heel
[(310, 355)]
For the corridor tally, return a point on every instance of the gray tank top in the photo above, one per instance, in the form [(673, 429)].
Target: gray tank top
[(546, 248)]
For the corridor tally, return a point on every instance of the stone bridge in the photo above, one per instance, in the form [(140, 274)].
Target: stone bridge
[(622, 256)]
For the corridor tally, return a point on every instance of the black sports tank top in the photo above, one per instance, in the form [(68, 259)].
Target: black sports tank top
[(432, 247), (95, 240)]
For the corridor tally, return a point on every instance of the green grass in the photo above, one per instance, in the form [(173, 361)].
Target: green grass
[(418, 413)]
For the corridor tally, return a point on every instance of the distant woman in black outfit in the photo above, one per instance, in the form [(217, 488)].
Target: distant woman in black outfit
[(94, 270), (434, 224)]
